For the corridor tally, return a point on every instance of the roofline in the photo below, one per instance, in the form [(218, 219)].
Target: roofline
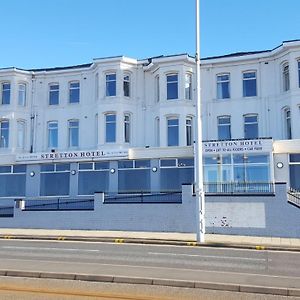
[(160, 58)]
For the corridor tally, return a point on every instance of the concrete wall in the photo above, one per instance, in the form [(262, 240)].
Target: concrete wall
[(243, 215)]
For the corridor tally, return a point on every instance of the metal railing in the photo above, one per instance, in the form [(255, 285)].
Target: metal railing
[(6, 211), (294, 197), (58, 204), (159, 198), (239, 188)]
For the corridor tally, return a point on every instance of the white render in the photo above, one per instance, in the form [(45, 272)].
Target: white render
[(142, 105)]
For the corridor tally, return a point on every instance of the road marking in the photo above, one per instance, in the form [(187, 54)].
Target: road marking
[(44, 248), (207, 256)]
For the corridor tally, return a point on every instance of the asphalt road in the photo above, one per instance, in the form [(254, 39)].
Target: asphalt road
[(251, 267)]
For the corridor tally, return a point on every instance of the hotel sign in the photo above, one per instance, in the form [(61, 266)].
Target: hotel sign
[(72, 155), (238, 146)]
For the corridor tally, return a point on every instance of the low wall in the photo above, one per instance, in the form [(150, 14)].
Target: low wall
[(268, 215)]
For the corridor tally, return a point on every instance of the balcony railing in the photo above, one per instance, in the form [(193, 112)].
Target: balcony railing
[(239, 188), (294, 197)]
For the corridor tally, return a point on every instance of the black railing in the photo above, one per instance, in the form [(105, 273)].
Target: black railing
[(294, 197), (6, 211), (172, 197), (239, 188), (59, 204)]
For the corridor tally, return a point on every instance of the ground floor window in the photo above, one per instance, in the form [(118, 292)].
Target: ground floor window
[(295, 171)]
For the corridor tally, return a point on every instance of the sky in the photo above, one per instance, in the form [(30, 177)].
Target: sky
[(50, 33)]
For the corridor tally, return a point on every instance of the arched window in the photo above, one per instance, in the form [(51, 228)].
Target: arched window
[(126, 85), (287, 123), (286, 77)]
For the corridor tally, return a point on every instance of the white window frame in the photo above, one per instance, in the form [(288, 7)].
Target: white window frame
[(127, 81), (169, 118), (127, 128), (3, 143), (249, 79), (286, 77), (3, 90), (53, 90), (110, 122), (49, 130), (189, 130), (70, 128), (224, 125), (22, 93), (172, 82), (221, 82), (188, 91), (74, 88), (109, 81), (287, 119)]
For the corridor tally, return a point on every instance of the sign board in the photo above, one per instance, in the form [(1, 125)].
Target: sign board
[(238, 146), (72, 155)]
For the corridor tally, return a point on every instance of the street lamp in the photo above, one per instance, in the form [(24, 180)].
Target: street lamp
[(200, 203)]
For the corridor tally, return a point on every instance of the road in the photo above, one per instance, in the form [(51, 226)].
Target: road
[(236, 266)]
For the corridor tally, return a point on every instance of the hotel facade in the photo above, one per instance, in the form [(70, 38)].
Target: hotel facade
[(120, 125)]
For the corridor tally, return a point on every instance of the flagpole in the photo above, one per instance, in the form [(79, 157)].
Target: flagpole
[(200, 201)]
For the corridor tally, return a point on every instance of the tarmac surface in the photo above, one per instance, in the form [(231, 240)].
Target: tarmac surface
[(161, 238)]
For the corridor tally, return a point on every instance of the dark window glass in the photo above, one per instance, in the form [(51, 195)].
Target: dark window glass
[(142, 163), (224, 128), (135, 180), (295, 158), (47, 168), (53, 94), (102, 165), (74, 92), (12, 185), (249, 84), (90, 182), (167, 162), (251, 126), (110, 128), (185, 162), (19, 169), (86, 166), (55, 184), (173, 132), (125, 164), (172, 86), (223, 82), (62, 167), (126, 86), (295, 177), (5, 93), (171, 179), (4, 134), (111, 85), (5, 169)]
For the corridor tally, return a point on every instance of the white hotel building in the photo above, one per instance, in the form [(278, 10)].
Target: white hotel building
[(121, 125)]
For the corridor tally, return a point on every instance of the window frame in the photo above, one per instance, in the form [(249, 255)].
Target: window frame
[(224, 125), (4, 121), (188, 86), (128, 83), (189, 131), (106, 128), (251, 123), (221, 82), (22, 84), (287, 123), (127, 128), (286, 77), (249, 79), (108, 81), (172, 82), (70, 128), (73, 89), (170, 118), (52, 84), (3, 90), (48, 134)]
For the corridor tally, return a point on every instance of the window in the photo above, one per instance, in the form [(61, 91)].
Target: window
[(286, 77), (4, 131), (97, 86), (127, 128), (223, 86), (299, 73), (251, 126), (55, 180), (224, 128), (188, 86), (111, 85), (249, 84), (110, 128), (157, 131), (172, 86), (126, 85), (74, 92), (287, 124), (157, 90), (73, 133), (52, 134), (21, 94), (5, 98), (189, 133), (21, 134), (53, 94), (173, 132)]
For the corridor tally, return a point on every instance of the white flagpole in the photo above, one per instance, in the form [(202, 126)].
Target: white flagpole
[(200, 203)]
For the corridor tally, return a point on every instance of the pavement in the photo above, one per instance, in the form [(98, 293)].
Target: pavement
[(168, 238)]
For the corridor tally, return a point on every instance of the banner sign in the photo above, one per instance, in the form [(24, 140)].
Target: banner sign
[(238, 146), (72, 155)]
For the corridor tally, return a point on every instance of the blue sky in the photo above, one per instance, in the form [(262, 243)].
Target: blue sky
[(49, 33)]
